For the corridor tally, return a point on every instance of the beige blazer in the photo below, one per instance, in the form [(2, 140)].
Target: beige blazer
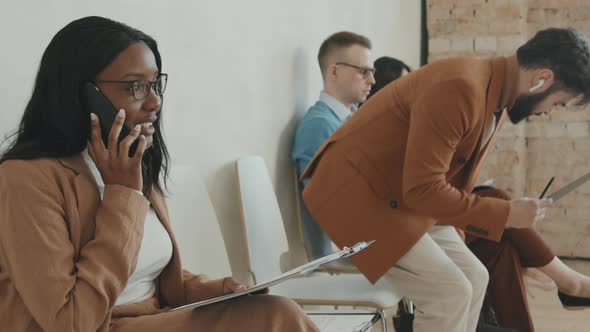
[(65, 255), (407, 159)]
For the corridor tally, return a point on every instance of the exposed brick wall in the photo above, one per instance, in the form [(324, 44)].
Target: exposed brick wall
[(526, 156)]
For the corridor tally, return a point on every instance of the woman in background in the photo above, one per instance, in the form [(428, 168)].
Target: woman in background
[(387, 70), (508, 261)]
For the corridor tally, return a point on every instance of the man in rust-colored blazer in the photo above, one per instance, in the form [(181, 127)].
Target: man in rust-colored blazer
[(401, 170)]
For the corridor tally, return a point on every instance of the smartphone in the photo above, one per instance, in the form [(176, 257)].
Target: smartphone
[(94, 101)]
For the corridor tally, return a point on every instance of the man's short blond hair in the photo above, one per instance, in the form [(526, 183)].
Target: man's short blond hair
[(336, 42)]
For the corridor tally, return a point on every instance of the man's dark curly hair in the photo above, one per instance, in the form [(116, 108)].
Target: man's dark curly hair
[(566, 53)]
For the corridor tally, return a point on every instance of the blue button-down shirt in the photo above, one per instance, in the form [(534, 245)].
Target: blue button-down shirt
[(320, 121)]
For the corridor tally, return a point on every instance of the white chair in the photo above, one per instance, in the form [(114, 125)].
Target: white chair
[(266, 241), (195, 224), (406, 303)]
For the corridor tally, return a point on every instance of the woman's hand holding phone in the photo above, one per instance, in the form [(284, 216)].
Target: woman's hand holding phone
[(113, 161)]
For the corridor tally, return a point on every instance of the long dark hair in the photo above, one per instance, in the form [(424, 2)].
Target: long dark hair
[(387, 70), (54, 124)]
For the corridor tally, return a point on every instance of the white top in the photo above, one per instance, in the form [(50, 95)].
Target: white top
[(154, 254)]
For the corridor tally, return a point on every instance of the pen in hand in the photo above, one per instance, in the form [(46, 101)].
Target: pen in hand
[(547, 187)]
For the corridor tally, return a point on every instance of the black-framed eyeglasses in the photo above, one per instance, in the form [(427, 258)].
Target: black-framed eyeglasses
[(365, 71), (141, 88)]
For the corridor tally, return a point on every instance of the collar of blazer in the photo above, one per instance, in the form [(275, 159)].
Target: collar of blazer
[(78, 165), (509, 86), (499, 79)]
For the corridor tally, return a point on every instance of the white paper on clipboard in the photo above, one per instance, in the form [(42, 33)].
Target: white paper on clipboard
[(296, 272)]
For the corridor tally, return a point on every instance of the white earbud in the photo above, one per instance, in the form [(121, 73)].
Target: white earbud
[(540, 84)]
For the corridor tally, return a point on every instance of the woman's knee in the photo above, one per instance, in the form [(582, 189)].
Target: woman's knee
[(284, 312), (278, 303)]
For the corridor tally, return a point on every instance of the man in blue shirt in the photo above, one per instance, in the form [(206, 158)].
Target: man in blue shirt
[(347, 71)]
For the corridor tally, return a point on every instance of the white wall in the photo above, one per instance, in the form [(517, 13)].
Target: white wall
[(241, 74)]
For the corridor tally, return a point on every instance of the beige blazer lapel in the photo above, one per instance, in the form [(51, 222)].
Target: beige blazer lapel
[(80, 216)]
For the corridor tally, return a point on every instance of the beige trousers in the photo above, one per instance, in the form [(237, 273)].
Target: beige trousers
[(444, 280)]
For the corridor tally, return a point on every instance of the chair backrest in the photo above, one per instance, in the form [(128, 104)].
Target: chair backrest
[(195, 224), (264, 232), (296, 186)]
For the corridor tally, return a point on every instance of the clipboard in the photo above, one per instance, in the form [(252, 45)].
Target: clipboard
[(570, 187), (299, 271)]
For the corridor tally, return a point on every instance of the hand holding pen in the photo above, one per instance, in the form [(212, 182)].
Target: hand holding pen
[(525, 212)]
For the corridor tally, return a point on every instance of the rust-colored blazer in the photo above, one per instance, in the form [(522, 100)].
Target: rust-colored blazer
[(407, 159), (65, 255)]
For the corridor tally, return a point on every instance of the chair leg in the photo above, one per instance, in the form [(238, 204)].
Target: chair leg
[(383, 320), (408, 305)]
